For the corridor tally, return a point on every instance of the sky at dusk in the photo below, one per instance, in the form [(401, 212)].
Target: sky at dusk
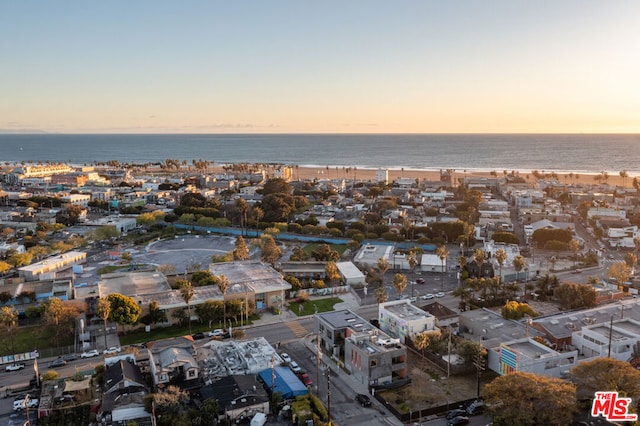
[(296, 66)]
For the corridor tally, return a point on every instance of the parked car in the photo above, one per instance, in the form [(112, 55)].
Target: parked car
[(476, 407), (218, 332), (112, 350), (90, 354), (420, 280), (285, 357), (304, 378), (60, 362), (413, 299), (428, 296), (295, 367), (33, 402), (456, 413), (198, 336), (15, 366), (70, 357), (439, 294), (363, 400), (460, 420), (19, 402)]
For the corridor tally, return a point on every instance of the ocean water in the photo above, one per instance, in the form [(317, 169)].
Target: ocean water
[(577, 153)]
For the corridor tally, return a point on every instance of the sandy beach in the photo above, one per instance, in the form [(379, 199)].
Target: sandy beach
[(319, 173)]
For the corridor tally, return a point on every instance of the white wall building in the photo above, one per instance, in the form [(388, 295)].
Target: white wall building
[(400, 318)]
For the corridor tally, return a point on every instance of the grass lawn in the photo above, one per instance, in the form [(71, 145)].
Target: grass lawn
[(28, 338), (139, 335), (340, 248), (308, 308)]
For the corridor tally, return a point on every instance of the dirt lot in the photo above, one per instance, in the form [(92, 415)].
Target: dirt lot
[(430, 387)]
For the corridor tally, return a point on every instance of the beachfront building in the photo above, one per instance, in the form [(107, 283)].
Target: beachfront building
[(382, 175)]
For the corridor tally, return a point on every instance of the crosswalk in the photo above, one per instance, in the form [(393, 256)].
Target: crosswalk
[(297, 328)]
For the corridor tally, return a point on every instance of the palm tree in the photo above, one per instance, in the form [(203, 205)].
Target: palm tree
[(624, 175), (223, 284), (9, 319), (462, 261), (501, 257), (383, 266), (442, 254), (381, 294), (464, 293), (400, 283), (412, 260), (518, 265), (186, 292), (103, 310)]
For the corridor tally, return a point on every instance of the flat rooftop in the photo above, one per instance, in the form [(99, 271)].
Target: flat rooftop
[(407, 311), (261, 278), (343, 319), (133, 284)]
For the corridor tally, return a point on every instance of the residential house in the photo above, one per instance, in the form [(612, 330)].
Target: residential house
[(172, 361)]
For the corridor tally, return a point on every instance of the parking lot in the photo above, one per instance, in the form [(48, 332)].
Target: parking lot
[(184, 252)]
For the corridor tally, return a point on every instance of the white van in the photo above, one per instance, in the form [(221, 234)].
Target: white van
[(259, 419)]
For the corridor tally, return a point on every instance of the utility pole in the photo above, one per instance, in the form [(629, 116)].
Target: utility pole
[(610, 335), (318, 354), (329, 396), (479, 364)]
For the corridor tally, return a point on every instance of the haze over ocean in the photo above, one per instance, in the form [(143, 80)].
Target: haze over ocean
[(580, 153)]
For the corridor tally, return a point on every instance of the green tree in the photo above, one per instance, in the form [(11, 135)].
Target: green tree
[(60, 315), (546, 284), (299, 255), (516, 310), (529, 399), (124, 309), (187, 293), (324, 253), (574, 296), (210, 311), (4, 267), (241, 252), (606, 374), (103, 310), (156, 315), (9, 319), (207, 414), (332, 272), (620, 272), (270, 250)]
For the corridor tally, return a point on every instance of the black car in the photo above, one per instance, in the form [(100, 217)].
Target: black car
[(58, 363), (363, 400), (198, 336), (460, 420), (455, 413)]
